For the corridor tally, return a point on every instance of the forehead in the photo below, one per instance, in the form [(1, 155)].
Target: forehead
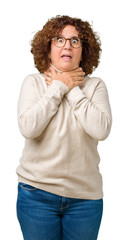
[(69, 31)]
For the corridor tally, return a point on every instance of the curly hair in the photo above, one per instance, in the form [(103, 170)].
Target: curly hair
[(41, 43)]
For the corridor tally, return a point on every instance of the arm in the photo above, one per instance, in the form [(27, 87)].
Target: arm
[(34, 114), (94, 115)]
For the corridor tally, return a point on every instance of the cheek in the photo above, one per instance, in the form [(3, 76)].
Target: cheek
[(54, 55), (79, 56)]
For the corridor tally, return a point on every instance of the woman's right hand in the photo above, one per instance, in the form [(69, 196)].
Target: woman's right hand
[(71, 79)]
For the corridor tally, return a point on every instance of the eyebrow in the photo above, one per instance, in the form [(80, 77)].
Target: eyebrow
[(70, 36)]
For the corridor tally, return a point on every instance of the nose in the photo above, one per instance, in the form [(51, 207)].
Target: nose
[(67, 44)]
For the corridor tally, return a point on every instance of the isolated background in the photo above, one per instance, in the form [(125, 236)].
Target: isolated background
[(19, 20)]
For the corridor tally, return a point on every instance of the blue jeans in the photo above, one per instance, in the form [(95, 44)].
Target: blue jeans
[(46, 216)]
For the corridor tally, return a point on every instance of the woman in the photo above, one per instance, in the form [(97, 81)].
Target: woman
[(62, 113)]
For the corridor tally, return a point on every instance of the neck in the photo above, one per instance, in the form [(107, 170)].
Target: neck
[(60, 70), (56, 68)]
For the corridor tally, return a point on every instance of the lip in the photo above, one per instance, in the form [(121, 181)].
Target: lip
[(66, 57), (66, 54)]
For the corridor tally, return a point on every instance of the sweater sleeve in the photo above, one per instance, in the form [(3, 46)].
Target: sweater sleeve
[(34, 114), (94, 115)]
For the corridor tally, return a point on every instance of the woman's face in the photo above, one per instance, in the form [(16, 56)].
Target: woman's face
[(66, 58)]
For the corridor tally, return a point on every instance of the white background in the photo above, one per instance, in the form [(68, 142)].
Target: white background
[(19, 21)]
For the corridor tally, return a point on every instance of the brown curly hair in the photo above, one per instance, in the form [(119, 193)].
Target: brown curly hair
[(41, 43)]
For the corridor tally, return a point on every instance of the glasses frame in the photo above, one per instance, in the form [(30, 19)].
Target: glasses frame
[(66, 41)]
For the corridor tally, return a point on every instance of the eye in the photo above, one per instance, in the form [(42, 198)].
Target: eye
[(60, 39), (75, 40)]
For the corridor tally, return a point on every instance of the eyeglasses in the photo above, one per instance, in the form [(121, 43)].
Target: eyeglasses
[(59, 42)]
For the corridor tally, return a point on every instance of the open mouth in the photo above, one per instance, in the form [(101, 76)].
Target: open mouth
[(66, 57)]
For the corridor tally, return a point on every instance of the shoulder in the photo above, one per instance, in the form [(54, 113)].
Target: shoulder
[(34, 79), (92, 81), (34, 76), (91, 84)]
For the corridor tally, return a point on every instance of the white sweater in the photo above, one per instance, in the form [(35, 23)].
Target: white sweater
[(62, 129)]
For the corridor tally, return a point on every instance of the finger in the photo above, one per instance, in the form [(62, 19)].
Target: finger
[(80, 73), (79, 78), (47, 74), (48, 77), (79, 69), (77, 73), (48, 82), (77, 83)]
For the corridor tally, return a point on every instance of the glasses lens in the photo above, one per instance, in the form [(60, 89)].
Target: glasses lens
[(59, 41), (76, 42)]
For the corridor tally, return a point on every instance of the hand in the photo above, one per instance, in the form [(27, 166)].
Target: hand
[(71, 79)]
